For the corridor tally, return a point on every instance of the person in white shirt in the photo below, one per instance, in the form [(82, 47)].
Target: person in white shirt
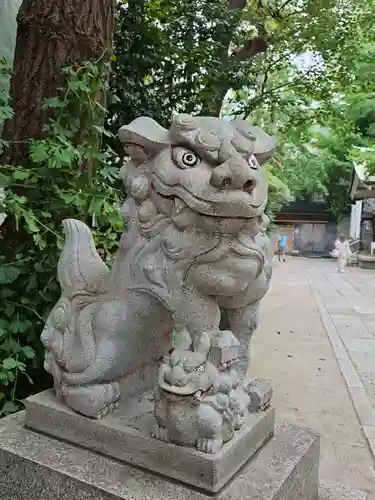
[(342, 252)]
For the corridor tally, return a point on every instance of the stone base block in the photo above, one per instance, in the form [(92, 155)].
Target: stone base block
[(126, 436), (341, 493), (366, 261), (34, 466)]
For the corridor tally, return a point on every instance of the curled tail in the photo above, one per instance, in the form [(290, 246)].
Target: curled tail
[(80, 267), (68, 335)]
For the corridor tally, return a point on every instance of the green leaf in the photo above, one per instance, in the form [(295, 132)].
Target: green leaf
[(6, 293), (67, 156), (10, 364), (8, 274), (9, 408), (32, 284), (9, 310), (6, 113), (96, 205), (53, 103), (102, 130), (271, 25), (30, 221), (18, 326), (28, 352), (38, 151), (4, 180), (4, 324), (11, 346), (21, 174)]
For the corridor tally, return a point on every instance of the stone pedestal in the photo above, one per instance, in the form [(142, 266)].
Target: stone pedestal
[(366, 261), (34, 466), (125, 435)]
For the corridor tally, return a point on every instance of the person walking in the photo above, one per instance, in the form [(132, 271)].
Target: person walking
[(342, 252), (282, 241)]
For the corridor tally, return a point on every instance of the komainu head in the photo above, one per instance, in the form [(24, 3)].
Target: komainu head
[(211, 166)]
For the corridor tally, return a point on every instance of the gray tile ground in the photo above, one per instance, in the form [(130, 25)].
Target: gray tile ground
[(315, 355), (356, 330)]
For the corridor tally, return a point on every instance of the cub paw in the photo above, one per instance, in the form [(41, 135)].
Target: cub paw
[(207, 445), (159, 432)]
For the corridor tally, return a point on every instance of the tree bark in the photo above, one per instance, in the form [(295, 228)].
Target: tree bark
[(214, 95), (213, 102), (51, 35)]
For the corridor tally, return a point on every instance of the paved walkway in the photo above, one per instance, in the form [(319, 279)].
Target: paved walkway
[(316, 344)]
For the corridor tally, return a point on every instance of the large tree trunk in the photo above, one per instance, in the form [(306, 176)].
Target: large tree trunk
[(213, 102), (51, 35), (213, 96)]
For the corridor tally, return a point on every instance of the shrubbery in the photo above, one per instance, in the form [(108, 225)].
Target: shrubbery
[(67, 177)]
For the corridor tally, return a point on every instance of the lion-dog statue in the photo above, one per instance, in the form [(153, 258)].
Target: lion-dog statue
[(194, 256)]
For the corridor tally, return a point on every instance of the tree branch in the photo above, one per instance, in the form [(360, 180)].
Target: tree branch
[(264, 82), (248, 109), (250, 49), (282, 7), (236, 4)]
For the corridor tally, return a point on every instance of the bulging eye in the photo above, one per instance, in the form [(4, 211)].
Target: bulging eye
[(253, 162), (200, 369), (184, 158)]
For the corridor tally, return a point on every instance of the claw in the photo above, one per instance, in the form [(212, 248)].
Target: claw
[(159, 432), (211, 446), (107, 410)]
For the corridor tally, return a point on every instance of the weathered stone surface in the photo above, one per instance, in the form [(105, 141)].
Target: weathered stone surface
[(195, 250), (366, 261), (195, 247), (351, 327), (126, 435), (37, 467), (341, 493)]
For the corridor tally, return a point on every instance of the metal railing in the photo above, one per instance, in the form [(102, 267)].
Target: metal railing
[(355, 246)]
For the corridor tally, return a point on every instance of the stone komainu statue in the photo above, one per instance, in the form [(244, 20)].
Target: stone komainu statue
[(194, 251)]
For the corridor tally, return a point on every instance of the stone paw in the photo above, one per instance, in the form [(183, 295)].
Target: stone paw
[(207, 445), (261, 393), (107, 410), (93, 401), (159, 432)]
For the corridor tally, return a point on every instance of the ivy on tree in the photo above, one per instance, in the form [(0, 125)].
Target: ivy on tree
[(67, 177)]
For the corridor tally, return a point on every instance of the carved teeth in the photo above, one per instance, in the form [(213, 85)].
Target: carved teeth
[(179, 205), (198, 395)]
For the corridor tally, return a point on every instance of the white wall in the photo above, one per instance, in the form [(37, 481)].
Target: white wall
[(355, 220)]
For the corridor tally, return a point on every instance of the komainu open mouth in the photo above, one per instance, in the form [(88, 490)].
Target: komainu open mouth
[(233, 204), (179, 205), (155, 190)]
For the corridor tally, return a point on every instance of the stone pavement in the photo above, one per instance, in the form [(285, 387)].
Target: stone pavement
[(316, 344)]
